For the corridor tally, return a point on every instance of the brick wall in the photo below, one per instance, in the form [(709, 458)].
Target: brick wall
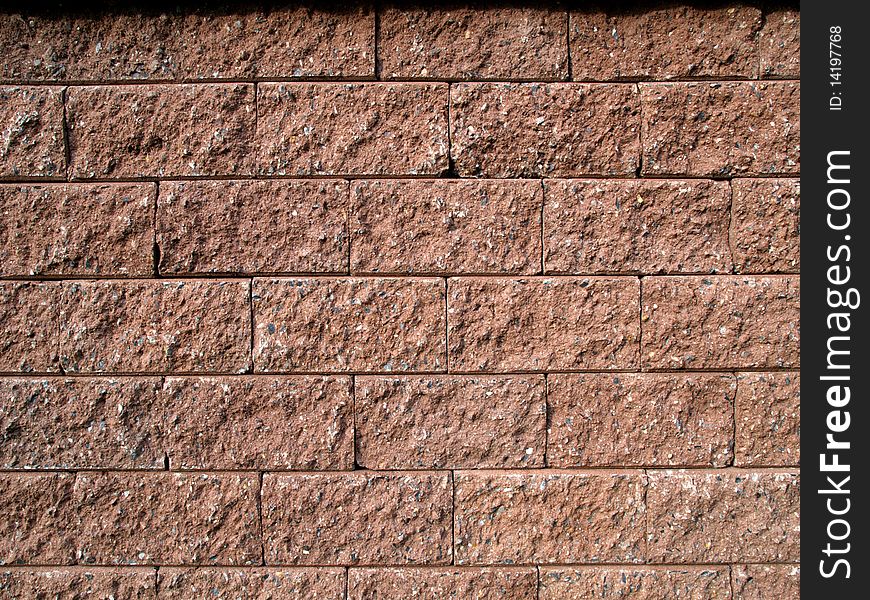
[(470, 303)]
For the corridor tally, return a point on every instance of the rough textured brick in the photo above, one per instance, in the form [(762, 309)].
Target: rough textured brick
[(251, 584), (780, 44), (252, 226), (627, 419), (548, 517), (721, 129), (435, 584), (543, 324), (174, 518), (447, 226), (161, 131), (768, 419), (257, 422), (544, 130), (757, 582), (721, 322), (357, 517), (77, 584), (636, 226), (37, 514), (473, 43), (450, 422), (372, 324), (352, 128), (31, 132), (766, 225), (723, 516), (673, 42), (80, 423), (705, 583), (28, 326), (155, 326), (77, 229)]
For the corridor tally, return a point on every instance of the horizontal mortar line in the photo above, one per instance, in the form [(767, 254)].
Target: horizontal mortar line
[(353, 566)]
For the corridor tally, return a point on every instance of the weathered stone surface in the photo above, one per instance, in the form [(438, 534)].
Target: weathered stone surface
[(349, 324), (28, 326), (768, 415), (757, 582), (31, 132), (155, 326), (79, 423), (77, 229), (766, 225), (672, 42), (450, 422), (544, 130), (549, 517), (161, 131), (508, 42), (252, 226), (721, 129), (37, 514), (166, 518), (435, 584), (627, 419), (251, 584), (359, 517), (636, 226), (583, 583), (542, 324), (723, 516), (77, 584), (352, 128), (446, 226), (257, 422), (779, 43), (721, 322)]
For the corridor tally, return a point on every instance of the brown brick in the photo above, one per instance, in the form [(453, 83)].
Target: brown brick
[(233, 584), (582, 583), (596, 226), (757, 582), (723, 516), (161, 131), (77, 583), (159, 518), (544, 130), (721, 322), (541, 324), (37, 513), (721, 129), (80, 423), (674, 42), (357, 517), (447, 226), (349, 324), (780, 44), (435, 584), (31, 132), (450, 422), (77, 229), (768, 419), (766, 225), (549, 517), (352, 128), (512, 43), (252, 226), (627, 419), (28, 326), (155, 326), (257, 422)]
